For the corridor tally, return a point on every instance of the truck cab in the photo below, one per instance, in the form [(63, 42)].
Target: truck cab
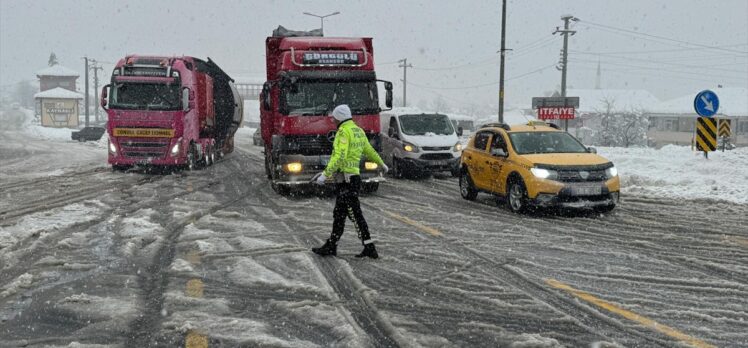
[(307, 77), (415, 142)]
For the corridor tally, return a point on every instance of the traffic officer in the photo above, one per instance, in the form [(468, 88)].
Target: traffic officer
[(350, 143)]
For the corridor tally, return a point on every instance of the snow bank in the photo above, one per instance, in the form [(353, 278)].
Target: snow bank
[(678, 172)]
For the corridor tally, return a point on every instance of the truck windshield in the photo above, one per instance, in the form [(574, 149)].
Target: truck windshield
[(145, 96), (309, 98), (545, 142), (422, 124)]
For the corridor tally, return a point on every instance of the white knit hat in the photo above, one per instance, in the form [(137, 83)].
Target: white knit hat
[(342, 113)]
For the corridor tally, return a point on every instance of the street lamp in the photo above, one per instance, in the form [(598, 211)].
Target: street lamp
[(321, 19)]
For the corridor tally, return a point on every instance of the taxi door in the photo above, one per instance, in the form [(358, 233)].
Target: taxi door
[(475, 157), (496, 162)]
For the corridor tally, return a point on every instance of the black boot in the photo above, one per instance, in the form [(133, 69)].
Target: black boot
[(329, 248), (369, 251)]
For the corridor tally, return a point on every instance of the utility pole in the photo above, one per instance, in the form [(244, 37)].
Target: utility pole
[(501, 69), (405, 67), (96, 67), (564, 54), (86, 93)]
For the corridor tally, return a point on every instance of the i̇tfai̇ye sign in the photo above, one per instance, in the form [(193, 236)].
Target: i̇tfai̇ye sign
[(555, 113)]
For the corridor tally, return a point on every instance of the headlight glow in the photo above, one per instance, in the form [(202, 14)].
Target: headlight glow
[(409, 148), (370, 166), (458, 147), (544, 173), (294, 167), (112, 148), (175, 149), (611, 172)]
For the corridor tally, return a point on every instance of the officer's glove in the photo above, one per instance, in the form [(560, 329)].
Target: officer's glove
[(385, 169), (319, 178)]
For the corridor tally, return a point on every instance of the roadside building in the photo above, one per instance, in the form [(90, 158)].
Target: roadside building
[(57, 76), (58, 107), (673, 121)]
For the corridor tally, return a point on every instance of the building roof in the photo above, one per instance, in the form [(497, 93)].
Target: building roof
[(733, 101), (594, 100), (58, 93), (57, 70)]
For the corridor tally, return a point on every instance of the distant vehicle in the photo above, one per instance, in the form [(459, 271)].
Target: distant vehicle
[(88, 134), (257, 138), (417, 143), (307, 76), (172, 111), (537, 165)]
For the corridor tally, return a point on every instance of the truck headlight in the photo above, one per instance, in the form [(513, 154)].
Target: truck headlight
[(458, 147), (410, 147), (175, 149), (112, 148), (611, 172), (370, 166), (294, 167), (543, 173)]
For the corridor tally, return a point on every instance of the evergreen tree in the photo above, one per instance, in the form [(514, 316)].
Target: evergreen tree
[(52, 59)]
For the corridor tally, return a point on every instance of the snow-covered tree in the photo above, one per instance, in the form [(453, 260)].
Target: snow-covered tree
[(620, 127), (52, 59)]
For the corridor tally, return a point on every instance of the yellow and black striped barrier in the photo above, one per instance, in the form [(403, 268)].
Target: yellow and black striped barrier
[(724, 128), (706, 134)]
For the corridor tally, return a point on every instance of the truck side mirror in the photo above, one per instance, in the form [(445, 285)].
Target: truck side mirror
[(265, 96), (391, 132), (388, 94), (187, 99), (459, 131), (104, 94)]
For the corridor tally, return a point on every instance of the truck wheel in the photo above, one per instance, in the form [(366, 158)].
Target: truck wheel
[(517, 196), (267, 168), (467, 190), (369, 187), (282, 190), (192, 158), (120, 167), (210, 157)]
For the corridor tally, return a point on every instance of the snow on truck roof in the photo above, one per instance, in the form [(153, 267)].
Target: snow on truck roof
[(58, 93), (57, 70)]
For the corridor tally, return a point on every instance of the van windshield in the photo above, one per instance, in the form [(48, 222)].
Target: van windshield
[(145, 96), (545, 142), (426, 123), (309, 98)]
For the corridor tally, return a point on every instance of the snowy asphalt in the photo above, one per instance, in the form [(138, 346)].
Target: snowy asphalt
[(214, 258)]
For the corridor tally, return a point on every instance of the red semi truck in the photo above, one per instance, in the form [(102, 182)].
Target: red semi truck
[(170, 111), (307, 76)]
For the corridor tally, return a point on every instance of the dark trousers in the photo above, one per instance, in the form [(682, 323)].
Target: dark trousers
[(348, 206)]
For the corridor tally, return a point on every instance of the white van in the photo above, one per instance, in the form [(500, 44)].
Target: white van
[(417, 142)]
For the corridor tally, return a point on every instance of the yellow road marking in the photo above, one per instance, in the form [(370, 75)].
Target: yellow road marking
[(430, 230), (695, 342), (194, 288), (736, 240), (195, 340)]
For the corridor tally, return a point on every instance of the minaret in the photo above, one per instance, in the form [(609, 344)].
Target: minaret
[(597, 79)]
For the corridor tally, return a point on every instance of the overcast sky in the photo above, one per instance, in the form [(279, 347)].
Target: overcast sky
[(670, 48)]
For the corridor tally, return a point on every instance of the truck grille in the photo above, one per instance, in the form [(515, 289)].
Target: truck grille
[(579, 175), (436, 156), (308, 145), (144, 148), (436, 148)]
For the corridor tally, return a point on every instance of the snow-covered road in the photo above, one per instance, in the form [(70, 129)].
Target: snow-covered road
[(215, 258)]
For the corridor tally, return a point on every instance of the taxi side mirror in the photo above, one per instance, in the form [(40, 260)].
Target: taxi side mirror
[(591, 149)]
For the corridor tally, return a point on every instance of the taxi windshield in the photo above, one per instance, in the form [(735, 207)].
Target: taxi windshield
[(545, 142)]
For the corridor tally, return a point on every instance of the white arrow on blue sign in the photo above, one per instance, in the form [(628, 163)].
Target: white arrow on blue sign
[(706, 103)]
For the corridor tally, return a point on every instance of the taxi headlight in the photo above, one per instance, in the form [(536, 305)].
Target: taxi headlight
[(611, 172), (370, 166), (543, 173), (410, 147), (458, 147), (294, 167), (112, 148)]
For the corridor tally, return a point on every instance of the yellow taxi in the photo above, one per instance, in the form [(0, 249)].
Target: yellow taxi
[(537, 165)]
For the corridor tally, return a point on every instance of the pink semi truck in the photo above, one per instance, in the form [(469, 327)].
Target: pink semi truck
[(170, 111)]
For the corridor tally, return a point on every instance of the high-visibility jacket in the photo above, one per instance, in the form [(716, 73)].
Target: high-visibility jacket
[(350, 143)]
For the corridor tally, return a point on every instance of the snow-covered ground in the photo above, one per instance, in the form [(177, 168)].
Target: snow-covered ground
[(679, 173)]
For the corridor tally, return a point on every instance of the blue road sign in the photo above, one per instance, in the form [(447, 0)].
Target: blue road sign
[(706, 103)]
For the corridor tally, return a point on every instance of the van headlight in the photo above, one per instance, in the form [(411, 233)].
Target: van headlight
[(457, 147), (543, 173), (112, 148), (611, 172), (175, 149), (410, 147)]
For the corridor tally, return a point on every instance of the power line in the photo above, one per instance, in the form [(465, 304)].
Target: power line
[(487, 84), (661, 69), (710, 67), (662, 37)]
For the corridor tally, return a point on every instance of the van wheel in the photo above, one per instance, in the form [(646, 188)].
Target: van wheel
[(467, 189), (517, 196)]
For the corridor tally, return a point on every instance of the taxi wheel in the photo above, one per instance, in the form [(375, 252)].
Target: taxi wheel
[(467, 190), (517, 198), (605, 208)]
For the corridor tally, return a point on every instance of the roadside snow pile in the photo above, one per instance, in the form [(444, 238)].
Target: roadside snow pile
[(59, 134), (678, 172)]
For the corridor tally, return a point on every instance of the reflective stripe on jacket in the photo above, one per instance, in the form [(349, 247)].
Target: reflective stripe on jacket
[(350, 143)]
